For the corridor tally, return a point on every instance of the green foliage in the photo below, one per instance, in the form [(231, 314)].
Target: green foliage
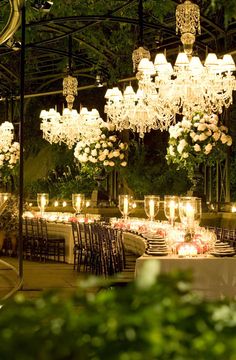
[(148, 172), (153, 318)]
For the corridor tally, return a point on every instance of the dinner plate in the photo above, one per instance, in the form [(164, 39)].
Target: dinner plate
[(228, 254)]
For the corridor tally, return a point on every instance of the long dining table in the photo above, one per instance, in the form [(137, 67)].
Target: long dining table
[(213, 277)]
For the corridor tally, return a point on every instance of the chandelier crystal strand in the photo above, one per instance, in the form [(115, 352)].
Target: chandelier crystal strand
[(70, 90)]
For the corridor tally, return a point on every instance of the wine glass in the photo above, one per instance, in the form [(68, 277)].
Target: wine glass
[(78, 202), (42, 201), (198, 212), (171, 206), (125, 205), (151, 206), (187, 212)]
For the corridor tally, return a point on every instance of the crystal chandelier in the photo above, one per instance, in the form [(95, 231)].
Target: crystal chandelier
[(187, 87), (71, 126)]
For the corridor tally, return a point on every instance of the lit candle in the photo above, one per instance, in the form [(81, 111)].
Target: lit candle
[(126, 206), (172, 210), (87, 203), (64, 204), (56, 203), (151, 208), (43, 201), (190, 214), (78, 203)]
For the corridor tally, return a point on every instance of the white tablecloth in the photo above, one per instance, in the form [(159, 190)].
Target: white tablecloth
[(213, 277), (65, 231)]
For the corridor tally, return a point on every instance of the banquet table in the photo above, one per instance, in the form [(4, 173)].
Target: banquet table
[(213, 277)]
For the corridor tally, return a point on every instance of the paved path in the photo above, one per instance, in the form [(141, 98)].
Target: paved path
[(40, 277)]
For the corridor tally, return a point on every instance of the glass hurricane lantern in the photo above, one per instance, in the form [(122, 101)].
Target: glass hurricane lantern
[(151, 206)]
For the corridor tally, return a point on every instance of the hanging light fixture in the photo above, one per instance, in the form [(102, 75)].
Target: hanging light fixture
[(191, 86), (187, 87), (142, 110), (71, 126)]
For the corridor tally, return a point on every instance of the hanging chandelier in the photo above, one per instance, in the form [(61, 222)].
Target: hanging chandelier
[(164, 91), (71, 126)]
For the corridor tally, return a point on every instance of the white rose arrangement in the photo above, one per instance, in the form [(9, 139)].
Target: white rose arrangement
[(200, 139), (9, 157), (107, 152)]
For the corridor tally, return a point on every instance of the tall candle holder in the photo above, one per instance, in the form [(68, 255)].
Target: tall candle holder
[(78, 202), (151, 206), (42, 201), (189, 212), (171, 207), (125, 205)]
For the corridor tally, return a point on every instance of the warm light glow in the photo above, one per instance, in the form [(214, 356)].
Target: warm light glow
[(126, 206), (151, 208), (64, 204), (172, 210), (56, 203), (233, 209)]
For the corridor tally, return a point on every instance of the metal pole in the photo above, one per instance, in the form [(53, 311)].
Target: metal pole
[(21, 141)]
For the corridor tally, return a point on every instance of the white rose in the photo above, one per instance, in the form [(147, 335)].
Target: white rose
[(102, 157), (122, 146), (103, 136), (229, 142), (106, 163), (110, 144), (216, 135), (122, 156), (213, 127), (208, 149), (208, 132), (87, 150), (112, 138), (192, 134), (124, 163), (181, 146), (2, 157), (105, 151), (110, 155), (97, 146), (197, 147), (116, 153), (185, 155), (104, 144), (196, 124), (196, 138), (1, 163), (111, 163), (94, 152), (224, 138), (201, 127), (202, 137)]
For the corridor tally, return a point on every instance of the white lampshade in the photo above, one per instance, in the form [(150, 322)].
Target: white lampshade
[(146, 66), (129, 92), (160, 59), (182, 60), (228, 63), (196, 65), (211, 60)]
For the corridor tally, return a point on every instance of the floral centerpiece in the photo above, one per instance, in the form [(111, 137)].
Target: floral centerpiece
[(199, 139), (9, 157), (106, 152)]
